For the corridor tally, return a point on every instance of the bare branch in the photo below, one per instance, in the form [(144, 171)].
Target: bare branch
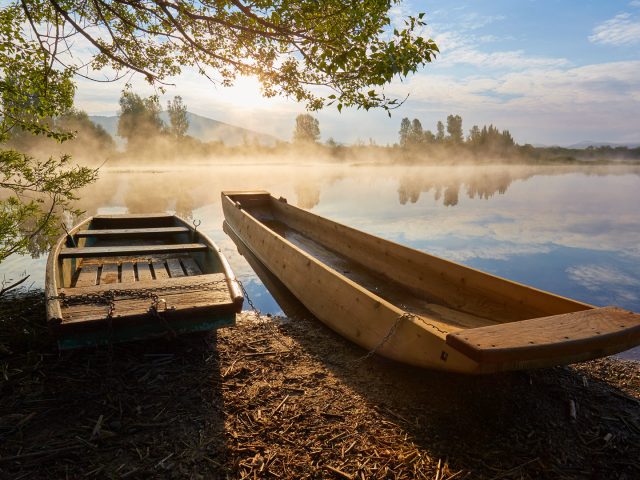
[(6, 288)]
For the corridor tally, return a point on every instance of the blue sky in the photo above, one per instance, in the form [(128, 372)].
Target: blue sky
[(551, 71)]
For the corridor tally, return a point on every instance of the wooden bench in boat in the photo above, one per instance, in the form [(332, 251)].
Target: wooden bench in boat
[(555, 336), (131, 232), (115, 251), (177, 294)]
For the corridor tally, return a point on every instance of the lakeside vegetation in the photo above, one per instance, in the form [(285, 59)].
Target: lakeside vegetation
[(146, 137), (284, 45)]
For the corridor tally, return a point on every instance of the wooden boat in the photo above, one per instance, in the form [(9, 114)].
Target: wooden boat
[(417, 308), (117, 278)]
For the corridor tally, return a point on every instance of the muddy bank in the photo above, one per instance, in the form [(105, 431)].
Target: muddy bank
[(281, 398)]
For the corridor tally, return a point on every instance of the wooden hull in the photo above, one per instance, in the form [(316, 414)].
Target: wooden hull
[(117, 278), (416, 308)]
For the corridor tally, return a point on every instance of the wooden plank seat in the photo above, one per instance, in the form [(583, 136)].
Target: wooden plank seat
[(119, 217), (114, 251), (130, 271), (131, 232), (136, 220), (200, 291), (557, 335)]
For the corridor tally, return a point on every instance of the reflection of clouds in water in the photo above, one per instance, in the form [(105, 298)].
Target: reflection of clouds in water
[(499, 234), (500, 211), (594, 277), (489, 252), (608, 284)]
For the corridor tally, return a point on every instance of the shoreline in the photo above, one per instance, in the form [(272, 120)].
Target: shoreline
[(284, 398)]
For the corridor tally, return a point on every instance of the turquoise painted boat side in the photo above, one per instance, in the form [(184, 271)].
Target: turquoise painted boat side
[(105, 336)]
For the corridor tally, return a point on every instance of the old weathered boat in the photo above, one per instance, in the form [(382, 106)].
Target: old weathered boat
[(417, 308), (117, 278)]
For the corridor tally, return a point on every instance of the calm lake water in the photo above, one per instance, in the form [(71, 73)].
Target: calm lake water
[(574, 231)]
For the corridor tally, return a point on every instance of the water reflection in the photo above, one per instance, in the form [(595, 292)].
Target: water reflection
[(190, 188), (572, 230), (482, 182)]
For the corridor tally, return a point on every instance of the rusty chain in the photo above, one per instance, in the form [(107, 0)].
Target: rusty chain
[(109, 297), (392, 331), (252, 306)]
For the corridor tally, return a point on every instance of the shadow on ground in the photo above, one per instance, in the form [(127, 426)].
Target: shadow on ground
[(567, 422), (287, 398), (146, 409)]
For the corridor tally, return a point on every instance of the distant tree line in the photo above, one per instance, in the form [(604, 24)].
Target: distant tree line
[(139, 121), (90, 135), (149, 137), (488, 138)]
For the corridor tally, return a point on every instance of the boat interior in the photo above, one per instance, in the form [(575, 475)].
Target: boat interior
[(455, 296), (136, 248), (138, 257)]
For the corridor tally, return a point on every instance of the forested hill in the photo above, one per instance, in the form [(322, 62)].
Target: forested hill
[(202, 128)]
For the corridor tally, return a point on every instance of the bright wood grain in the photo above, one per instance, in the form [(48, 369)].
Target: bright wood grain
[(131, 250), (109, 273), (127, 274), (144, 271), (88, 275), (132, 232), (159, 270)]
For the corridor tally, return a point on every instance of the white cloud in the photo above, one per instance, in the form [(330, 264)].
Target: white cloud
[(538, 105), (474, 21), (635, 3), (536, 87), (514, 59), (620, 30), (458, 48), (540, 98), (603, 278)]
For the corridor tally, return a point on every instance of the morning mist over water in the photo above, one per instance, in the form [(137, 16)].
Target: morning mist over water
[(570, 230)]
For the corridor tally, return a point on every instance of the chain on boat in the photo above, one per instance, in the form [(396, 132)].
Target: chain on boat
[(392, 331), (253, 308), (109, 298)]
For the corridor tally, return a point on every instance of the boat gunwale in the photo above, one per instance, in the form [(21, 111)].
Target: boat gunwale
[(54, 310), (321, 264), (409, 249)]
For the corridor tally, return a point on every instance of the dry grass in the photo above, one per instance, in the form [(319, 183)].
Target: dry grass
[(289, 399)]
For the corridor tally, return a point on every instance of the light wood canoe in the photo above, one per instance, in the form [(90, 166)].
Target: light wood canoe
[(417, 308), (116, 278)]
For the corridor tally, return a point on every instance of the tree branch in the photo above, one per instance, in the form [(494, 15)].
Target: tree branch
[(150, 76), (5, 289)]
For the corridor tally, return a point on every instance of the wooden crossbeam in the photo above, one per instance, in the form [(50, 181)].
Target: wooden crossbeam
[(131, 250), (219, 281), (131, 232)]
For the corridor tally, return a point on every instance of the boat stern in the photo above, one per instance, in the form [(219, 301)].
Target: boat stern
[(549, 341)]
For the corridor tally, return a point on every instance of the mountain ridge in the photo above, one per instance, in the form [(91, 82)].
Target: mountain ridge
[(591, 143), (203, 128)]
